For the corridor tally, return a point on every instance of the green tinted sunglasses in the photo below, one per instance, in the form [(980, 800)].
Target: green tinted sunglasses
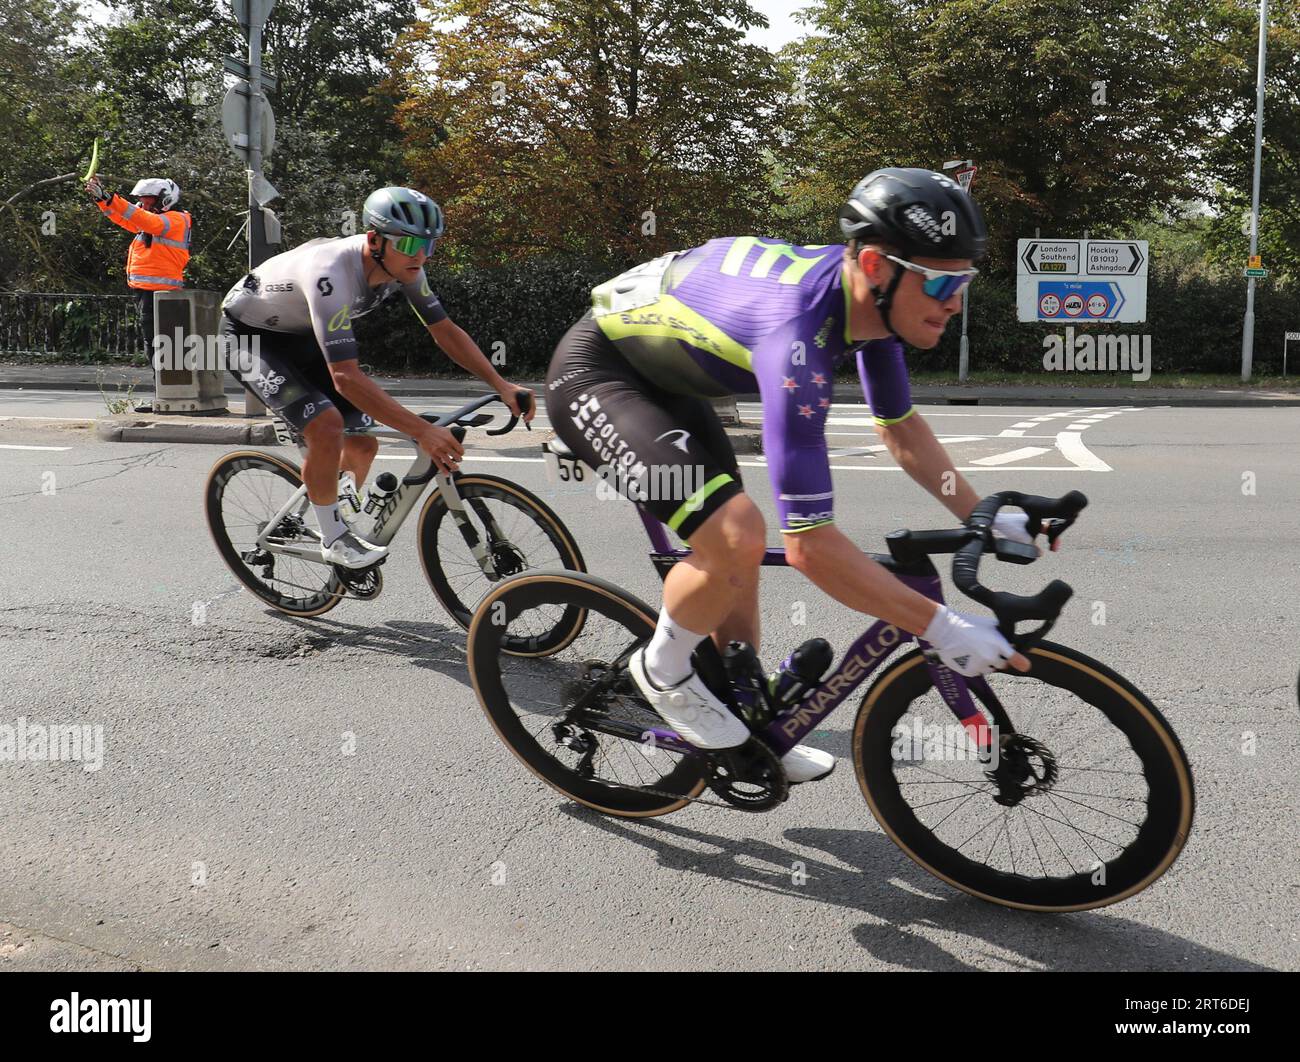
[(412, 245)]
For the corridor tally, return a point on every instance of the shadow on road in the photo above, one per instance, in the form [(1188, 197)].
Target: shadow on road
[(864, 872), (434, 646)]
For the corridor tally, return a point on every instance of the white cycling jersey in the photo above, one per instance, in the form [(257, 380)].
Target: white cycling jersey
[(318, 287)]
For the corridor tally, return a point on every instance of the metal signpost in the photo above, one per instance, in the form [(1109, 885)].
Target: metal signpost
[(249, 125), (1081, 280), (965, 177), (1285, 343), (1254, 269)]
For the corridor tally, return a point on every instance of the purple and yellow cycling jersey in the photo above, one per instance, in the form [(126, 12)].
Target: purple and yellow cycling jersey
[(741, 315)]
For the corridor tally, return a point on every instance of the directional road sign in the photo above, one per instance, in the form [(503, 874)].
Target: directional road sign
[(241, 70), (1081, 280)]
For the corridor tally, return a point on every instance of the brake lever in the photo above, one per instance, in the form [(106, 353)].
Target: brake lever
[(1028, 639), (525, 404), (1054, 529)]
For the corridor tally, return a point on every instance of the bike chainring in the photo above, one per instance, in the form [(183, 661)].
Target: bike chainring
[(749, 777), (364, 583), (1025, 766)]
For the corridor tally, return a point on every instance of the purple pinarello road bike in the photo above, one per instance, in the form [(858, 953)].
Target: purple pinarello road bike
[(1059, 789)]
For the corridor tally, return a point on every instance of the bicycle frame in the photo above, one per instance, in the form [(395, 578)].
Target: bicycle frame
[(862, 658), (397, 507)]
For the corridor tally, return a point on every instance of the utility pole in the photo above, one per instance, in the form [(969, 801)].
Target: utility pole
[(1253, 270)]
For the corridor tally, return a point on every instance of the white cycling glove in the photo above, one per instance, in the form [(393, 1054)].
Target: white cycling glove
[(1014, 526), (970, 645)]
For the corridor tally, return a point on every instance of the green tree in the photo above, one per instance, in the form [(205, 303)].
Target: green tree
[(1230, 160), (150, 85), (1080, 113), (585, 126)]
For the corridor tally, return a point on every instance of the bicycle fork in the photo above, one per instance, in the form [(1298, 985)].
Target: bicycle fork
[(488, 552)]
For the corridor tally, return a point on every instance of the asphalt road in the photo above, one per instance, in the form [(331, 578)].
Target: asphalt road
[(308, 794)]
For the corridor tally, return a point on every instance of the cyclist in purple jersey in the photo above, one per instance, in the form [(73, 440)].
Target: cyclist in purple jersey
[(628, 386)]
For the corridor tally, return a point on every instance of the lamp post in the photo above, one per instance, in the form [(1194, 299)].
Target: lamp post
[(1248, 328), (965, 175)]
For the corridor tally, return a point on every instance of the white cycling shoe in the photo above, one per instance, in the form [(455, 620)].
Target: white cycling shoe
[(806, 764), (690, 709), (349, 551)]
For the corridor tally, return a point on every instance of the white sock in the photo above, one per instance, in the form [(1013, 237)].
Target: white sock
[(330, 522), (668, 656)]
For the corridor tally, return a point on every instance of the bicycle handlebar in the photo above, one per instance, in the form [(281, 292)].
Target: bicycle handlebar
[(457, 422), (1046, 515)]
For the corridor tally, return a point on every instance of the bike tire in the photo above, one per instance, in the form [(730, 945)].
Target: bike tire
[(1158, 839), (595, 597), (222, 474), (461, 592)]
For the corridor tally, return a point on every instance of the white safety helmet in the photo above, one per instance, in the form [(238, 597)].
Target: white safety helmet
[(167, 191)]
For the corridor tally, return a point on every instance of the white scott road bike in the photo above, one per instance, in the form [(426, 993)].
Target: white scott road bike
[(258, 513)]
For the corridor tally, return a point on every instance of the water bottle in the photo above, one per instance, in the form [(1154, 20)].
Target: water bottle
[(745, 674), (801, 671), (383, 488), (349, 503)]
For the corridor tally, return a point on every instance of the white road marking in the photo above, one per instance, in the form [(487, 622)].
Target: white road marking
[(11, 446), (1023, 454), (1072, 449), (70, 420)]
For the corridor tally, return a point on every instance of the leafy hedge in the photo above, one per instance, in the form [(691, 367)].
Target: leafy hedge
[(1194, 323), (526, 307)]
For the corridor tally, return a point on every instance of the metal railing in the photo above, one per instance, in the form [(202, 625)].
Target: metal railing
[(70, 325)]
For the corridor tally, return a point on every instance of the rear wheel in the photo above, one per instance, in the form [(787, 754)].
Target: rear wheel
[(575, 717), (1089, 801), (244, 491)]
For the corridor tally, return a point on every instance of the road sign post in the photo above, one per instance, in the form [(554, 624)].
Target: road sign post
[(965, 175), (249, 122), (249, 125), (1248, 325), (1289, 336)]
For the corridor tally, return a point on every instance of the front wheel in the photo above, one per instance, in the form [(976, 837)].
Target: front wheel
[(502, 522), (1088, 800)]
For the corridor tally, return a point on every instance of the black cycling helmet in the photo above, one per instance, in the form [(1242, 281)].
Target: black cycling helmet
[(918, 212), (906, 209)]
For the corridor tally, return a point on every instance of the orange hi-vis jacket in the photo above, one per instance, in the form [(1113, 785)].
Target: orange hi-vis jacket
[(156, 260)]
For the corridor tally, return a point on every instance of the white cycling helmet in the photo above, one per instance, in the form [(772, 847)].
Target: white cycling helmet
[(167, 191)]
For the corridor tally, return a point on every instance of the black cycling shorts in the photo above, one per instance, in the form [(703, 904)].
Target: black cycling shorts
[(666, 452), (289, 373)]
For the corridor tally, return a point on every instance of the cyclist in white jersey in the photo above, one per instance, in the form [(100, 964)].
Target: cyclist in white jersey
[(298, 306)]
